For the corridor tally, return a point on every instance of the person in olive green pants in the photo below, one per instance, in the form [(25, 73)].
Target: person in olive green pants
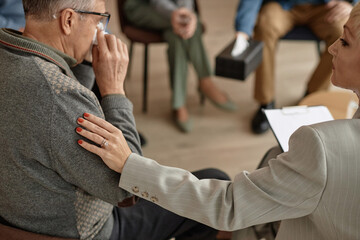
[(182, 31)]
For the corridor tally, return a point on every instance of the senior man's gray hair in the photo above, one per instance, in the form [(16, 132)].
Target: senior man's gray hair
[(47, 9)]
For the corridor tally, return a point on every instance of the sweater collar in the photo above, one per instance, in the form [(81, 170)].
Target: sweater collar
[(14, 39)]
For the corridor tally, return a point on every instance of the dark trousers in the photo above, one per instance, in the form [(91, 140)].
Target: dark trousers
[(146, 220)]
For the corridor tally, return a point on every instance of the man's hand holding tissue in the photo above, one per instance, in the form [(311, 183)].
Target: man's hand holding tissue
[(110, 61)]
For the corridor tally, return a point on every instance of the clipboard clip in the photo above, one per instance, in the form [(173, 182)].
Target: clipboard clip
[(294, 110)]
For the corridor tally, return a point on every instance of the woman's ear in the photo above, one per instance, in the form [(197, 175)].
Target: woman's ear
[(68, 20)]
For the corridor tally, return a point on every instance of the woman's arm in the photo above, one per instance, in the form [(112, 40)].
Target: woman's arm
[(290, 187)]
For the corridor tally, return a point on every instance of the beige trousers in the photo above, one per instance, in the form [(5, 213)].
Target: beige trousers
[(274, 22)]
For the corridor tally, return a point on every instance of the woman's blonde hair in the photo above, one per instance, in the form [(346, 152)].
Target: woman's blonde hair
[(355, 15)]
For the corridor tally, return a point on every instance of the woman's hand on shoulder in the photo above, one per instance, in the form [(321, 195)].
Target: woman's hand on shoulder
[(106, 141)]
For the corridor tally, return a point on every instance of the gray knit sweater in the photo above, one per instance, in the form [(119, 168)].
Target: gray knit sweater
[(49, 184)]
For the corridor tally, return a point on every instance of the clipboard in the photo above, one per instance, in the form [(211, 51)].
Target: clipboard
[(284, 122)]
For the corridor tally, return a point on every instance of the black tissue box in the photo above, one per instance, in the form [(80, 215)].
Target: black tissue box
[(241, 66)]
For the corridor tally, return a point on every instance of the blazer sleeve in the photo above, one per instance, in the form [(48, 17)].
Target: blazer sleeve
[(290, 187)]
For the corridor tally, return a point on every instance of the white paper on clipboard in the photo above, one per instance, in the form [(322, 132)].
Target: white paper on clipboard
[(284, 122)]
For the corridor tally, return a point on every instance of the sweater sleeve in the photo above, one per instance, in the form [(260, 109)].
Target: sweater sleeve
[(11, 14), (246, 15), (118, 111), (77, 166), (14, 23), (265, 195)]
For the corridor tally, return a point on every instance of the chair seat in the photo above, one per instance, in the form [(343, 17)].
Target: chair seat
[(146, 36), (142, 35), (300, 33), (304, 33)]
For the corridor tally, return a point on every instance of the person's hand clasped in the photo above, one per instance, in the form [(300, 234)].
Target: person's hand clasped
[(111, 144), (338, 10), (184, 22), (110, 63)]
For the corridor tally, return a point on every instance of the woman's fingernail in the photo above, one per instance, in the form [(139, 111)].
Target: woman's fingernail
[(80, 120), (78, 129), (80, 142), (86, 115)]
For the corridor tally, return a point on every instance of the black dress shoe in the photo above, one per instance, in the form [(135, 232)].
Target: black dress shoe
[(259, 123)]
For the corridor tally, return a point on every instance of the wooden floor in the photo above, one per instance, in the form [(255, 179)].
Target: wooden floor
[(220, 139)]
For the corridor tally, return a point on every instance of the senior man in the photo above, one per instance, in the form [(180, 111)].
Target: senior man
[(47, 185)]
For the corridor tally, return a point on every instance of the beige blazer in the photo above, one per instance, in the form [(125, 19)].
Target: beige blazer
[(314, 187)]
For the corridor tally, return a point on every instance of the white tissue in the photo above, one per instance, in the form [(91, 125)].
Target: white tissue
[(241, 44), (88, 56), (94, 41)]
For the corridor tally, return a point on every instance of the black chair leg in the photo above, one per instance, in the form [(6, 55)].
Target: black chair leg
[(202, 99), (274, 229), (145, 79), (130, 60), (318, 47)]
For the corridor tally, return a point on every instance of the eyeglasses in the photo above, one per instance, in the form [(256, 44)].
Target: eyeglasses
[(104, 20)]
